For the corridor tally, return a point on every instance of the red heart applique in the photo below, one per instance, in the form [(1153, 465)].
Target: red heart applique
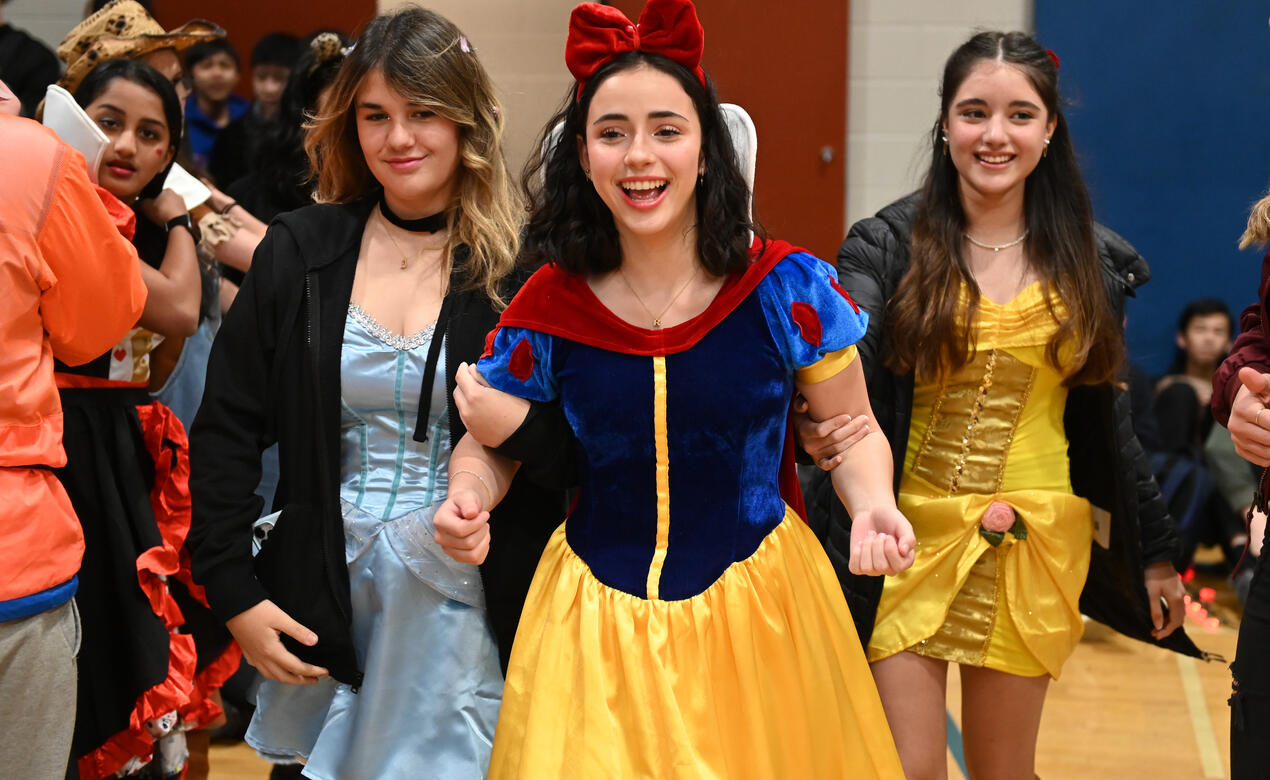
[(521, 364), (120, 354), (808, 322)]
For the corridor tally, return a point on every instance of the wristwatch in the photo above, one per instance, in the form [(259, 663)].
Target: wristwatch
[(183, 220)]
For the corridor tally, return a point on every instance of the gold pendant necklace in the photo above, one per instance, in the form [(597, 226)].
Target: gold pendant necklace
[(656, 318), (404, 257)]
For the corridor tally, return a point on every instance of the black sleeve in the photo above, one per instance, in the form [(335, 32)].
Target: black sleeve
[(1141, 398), (235, 423), (545, 446), (1159, 540), (862, 272)]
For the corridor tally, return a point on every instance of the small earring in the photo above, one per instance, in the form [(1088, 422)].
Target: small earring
[(945, 137), (1046, 150), (587, 173)]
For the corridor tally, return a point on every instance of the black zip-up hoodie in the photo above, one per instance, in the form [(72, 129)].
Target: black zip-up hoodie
[(274, 376)]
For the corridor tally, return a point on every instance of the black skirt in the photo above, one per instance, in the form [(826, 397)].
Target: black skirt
[(109, 476)]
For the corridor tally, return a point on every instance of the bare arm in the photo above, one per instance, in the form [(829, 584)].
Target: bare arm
[(230, 238), (479, 478), (882, 540), (174, 288)]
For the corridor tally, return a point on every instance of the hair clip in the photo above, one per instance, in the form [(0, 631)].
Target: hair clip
[(463, 45), (325, 47), (1053, 57), (347, 50)]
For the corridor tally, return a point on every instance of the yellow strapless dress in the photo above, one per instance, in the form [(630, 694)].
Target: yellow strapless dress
[(991, 431)]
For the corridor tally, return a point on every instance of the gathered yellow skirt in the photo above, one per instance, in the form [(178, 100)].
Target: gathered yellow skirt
[(760, 676), (1024, 619)]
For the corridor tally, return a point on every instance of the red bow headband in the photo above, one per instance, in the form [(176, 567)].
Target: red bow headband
[(598, 33)]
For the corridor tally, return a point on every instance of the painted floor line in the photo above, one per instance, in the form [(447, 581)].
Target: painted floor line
[(1201, 724), (954, 744)]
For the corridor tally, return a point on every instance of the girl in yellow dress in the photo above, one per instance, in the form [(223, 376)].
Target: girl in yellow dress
[(991, 356)]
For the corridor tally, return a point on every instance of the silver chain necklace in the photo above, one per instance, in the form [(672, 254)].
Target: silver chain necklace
[(997, 247)]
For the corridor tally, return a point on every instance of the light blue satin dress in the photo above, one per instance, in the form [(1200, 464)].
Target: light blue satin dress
[(429, 702)]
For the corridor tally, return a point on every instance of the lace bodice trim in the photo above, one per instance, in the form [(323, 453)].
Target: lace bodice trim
[(373, 326)]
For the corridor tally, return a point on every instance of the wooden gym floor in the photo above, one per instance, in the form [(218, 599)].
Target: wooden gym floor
[(1122, 709)]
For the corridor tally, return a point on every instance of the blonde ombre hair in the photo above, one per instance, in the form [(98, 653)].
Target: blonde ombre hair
[(1258, 230), (429, 61)]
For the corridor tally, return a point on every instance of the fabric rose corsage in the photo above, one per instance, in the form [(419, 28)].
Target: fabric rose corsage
[(998, 520)]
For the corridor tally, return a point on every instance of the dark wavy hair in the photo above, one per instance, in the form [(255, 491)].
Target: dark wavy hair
[(930, 332), (570, 225), (142, 75)]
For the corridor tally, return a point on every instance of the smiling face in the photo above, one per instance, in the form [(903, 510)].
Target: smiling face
[(642, 145), (410, 149), (140, 143), (996, 126)]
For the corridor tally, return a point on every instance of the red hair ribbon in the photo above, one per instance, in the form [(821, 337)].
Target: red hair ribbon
[(598, 33), (1053, 57)]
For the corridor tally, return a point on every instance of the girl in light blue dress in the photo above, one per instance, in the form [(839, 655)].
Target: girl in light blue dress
[(381, 653), (418, 616)]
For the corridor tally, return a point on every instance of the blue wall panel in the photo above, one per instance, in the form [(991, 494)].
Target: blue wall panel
[(1169, 105)]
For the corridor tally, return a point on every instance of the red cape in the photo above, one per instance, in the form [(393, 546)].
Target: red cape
[(560, 303)]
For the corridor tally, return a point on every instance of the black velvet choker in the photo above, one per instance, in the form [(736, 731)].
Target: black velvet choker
[(429, 224)]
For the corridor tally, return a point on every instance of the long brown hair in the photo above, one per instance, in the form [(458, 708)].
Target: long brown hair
[(930, 331), (429, 61)]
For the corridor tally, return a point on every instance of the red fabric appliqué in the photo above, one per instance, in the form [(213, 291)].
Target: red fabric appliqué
[(843, 293), (521, 364), (808, 322)]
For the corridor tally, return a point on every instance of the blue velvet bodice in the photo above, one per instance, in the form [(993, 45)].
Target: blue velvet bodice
[(726, 401)]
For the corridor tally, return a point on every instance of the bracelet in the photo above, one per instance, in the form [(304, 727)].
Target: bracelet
[(223, 210), (489, 493)]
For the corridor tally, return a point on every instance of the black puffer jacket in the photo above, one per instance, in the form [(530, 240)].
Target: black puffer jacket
[(1108, 465)]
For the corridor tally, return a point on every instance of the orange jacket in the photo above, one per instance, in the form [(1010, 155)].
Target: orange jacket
[(71, 287)]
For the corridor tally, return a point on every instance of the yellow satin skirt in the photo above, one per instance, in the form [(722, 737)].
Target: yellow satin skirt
[(760, 676), (979, 630), (1017, 611)]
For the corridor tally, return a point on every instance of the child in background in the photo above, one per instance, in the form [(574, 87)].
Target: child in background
[(272, 59), (214, 68)]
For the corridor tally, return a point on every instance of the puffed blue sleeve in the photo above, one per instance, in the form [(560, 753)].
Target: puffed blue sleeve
[(813, 320), (518, 361)]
